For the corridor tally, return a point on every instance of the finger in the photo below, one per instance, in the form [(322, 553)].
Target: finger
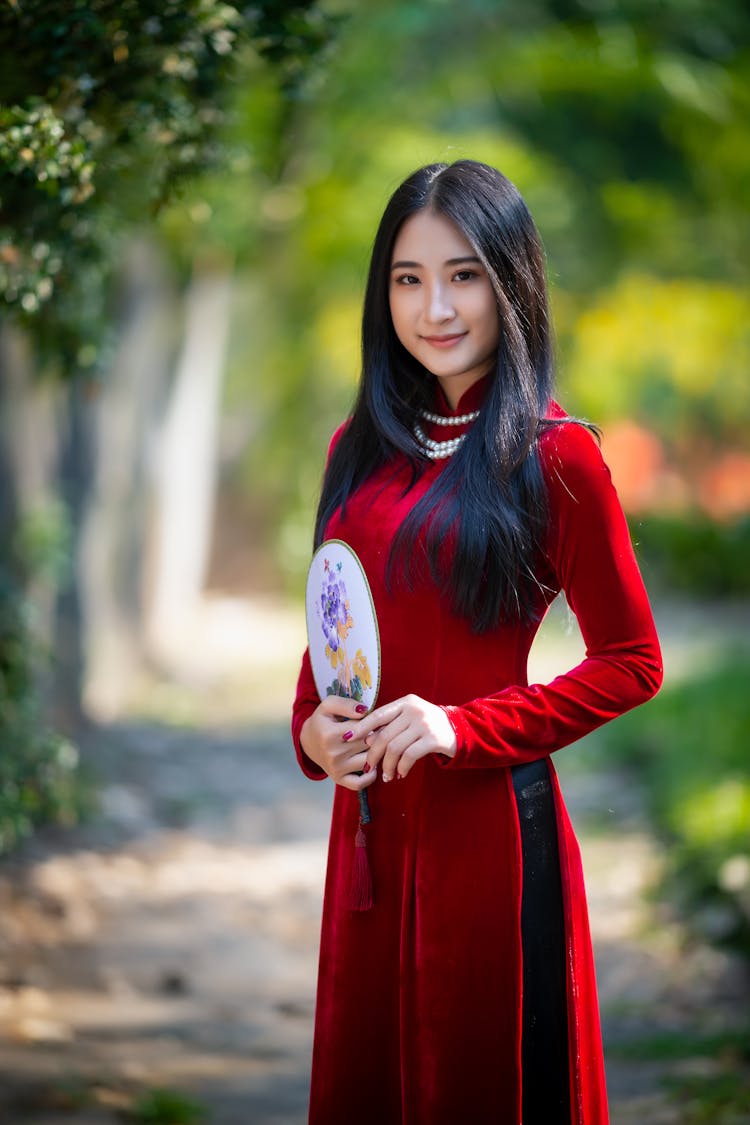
[(342, 707), (355, 781), (395, 752), (354, 763), (379, 741), (348, 757), (412, 754), (343, 762), (342, 740), (399, 722), (380, 717)]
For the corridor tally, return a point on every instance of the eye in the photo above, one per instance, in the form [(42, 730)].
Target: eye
[(406, 279), (465, 275)]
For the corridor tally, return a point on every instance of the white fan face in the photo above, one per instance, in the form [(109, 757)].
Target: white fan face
[(342, 629)]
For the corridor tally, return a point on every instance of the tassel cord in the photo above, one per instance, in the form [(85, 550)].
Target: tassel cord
[(361, 893)]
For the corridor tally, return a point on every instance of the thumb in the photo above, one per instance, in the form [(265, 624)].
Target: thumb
[(341, 707)]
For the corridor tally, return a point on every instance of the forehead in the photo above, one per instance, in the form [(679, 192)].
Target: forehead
[(428, 237)]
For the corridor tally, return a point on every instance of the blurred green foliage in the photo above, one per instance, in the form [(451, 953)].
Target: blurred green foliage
[(695, 555), (671, 351), (623, 124), (706, 1074), (39, 777), (106, 108), (719, 1097), (167, 1107), (253, 133), (689, 747)]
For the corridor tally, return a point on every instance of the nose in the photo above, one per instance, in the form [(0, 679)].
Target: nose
[(439, 307)]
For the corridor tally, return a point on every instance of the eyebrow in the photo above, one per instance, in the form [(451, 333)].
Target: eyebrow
[(448, 262)]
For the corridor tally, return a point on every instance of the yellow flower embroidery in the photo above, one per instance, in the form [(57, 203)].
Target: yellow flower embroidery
[(361, 668)]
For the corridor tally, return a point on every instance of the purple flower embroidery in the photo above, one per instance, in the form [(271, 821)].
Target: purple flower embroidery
[(352, 675), (334, 615)]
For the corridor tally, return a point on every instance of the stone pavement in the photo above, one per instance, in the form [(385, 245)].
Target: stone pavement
[(172, 941)]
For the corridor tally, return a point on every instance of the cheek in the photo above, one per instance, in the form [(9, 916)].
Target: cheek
[(489, 316), (398, 315)]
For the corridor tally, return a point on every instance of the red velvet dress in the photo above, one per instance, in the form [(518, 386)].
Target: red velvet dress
[(418, 1017)]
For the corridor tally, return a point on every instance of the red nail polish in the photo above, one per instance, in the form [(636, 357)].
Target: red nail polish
[(366, 767), (349, 734), (360, 708)]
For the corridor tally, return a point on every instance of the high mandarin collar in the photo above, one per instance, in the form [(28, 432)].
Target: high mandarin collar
[(446, 424), (470, 400), (451, 424)]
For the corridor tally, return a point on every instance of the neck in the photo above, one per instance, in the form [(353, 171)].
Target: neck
[(454, 387)]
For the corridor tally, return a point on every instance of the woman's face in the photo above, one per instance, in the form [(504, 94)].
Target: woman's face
[(442, 303)]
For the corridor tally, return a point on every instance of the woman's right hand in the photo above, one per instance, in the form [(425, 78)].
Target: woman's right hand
[(324, 740)]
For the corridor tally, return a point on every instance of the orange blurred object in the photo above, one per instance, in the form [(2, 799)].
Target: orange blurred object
[(724, 489)]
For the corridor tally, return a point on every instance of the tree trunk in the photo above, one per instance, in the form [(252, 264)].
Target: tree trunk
[(28, 452), (127, 410), (10, 361), (74, 471), (186, 469), (33, 528)]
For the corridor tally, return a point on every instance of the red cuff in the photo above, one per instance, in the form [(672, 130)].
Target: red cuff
[(462, 731), (309, 768)]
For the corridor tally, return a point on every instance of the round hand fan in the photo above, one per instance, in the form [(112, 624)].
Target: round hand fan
[(342, 629), (344, 648)]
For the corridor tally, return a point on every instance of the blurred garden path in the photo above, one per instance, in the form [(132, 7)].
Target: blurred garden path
[(172, 941)]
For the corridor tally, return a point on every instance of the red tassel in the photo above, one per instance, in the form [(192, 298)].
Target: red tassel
[(361, 885)]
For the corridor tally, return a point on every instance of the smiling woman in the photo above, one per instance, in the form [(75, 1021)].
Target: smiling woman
[(464, 988), (443, 306)]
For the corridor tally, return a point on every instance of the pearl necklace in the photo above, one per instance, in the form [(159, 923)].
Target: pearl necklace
[(437, 450), (456, 420)]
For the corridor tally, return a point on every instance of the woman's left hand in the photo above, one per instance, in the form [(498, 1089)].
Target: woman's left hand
[(400, 733)]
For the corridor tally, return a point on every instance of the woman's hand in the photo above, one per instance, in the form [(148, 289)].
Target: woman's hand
[(329, 742), (400, 733)]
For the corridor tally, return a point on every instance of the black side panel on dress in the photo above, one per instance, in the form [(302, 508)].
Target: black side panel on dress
[(544, 1040)]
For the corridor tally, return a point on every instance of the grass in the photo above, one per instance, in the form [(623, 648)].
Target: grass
[(706, 1076), (669, 1046), (689, 748), (719, 1099), (162, 1106)]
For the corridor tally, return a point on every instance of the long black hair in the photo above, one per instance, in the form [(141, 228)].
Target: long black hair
[(490, 499)]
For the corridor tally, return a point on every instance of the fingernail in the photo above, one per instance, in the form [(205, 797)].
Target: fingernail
[(386, 776), (349, 734), (366, 767), (400, 776), (360, 708)]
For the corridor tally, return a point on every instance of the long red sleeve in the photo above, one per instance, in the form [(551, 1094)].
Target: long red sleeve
[(305, 702), (591, 555)]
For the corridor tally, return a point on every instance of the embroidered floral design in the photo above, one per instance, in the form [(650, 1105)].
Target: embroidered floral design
[(352, 675)]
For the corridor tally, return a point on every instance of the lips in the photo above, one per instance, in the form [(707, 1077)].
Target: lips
[(444, 341)]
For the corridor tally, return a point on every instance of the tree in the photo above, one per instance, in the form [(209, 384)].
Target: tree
[(107, 109)]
